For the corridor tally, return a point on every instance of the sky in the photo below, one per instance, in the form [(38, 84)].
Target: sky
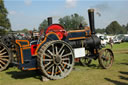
[(30, 13)]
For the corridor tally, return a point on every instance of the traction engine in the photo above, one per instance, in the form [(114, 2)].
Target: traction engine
[(54, 54)]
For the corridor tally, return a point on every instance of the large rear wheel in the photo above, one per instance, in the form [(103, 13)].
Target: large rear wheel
[(56, 59), (8, 40), (5, 57)]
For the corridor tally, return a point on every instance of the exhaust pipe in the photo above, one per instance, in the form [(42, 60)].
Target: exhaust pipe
[(91, 20), (49, 21)]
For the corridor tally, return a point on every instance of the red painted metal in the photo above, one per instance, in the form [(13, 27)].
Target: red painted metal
[(58, 29), (77, 59), (33, 49)]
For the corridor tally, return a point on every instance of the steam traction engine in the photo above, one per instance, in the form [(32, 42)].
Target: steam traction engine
[(54, 54)]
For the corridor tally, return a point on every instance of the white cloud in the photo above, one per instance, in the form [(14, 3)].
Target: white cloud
[(28, 2), (12, 12), (71, 3)]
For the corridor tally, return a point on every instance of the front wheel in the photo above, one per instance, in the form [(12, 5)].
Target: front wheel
[(106, 58), (56, 59)]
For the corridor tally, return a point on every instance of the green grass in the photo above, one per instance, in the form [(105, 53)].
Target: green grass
[(121, 46), (93, 75)]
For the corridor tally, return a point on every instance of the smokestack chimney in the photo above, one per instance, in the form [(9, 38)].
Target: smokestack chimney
[(49, 21), (91, 20)]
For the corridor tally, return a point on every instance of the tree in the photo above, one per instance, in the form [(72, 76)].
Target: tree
[(123, 26), (4, 21), (72, 22), (115, 28), (126, 27), (102, 31), (43, 25), (25, 30), (2, 32)]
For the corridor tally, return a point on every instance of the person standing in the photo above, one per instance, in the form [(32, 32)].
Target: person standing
[(111, 42)]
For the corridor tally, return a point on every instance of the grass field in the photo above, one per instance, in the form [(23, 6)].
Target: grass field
[(93, 75)]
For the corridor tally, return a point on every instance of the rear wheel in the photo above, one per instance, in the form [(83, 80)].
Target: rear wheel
[(5, 57), (106, 58), (8, 40), (56, 59)]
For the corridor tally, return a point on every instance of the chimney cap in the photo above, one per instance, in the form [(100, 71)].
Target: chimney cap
[(49, 17), (90, 10)]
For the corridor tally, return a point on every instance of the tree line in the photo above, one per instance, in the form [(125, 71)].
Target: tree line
[(69, 22), (114, 28), (72, 22), (76, 22), (4, 21)]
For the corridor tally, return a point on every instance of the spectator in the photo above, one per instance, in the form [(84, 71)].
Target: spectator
[(111, 42)]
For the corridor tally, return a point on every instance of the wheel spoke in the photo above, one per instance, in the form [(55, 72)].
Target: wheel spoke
[(106, 53), (3, 56), (47, 55), (62, 67), (47, 64), (57, 50), (61, 48), (55, 69), (62, 53), (53, 49), (67, 54), (107, 63), (50, 53), (67, 64), (2, 50), (3, 53), (65, 59), (2, 62), (48, 60), (4, 59), (109, 60), (52, 70), (1, 66), (61, 72), (49, 67)]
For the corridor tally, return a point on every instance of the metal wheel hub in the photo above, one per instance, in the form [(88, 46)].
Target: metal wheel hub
[(105, 58), (57, 60)]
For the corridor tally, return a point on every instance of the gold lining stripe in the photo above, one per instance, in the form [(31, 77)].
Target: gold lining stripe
[(77, 38), (76, 31)]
